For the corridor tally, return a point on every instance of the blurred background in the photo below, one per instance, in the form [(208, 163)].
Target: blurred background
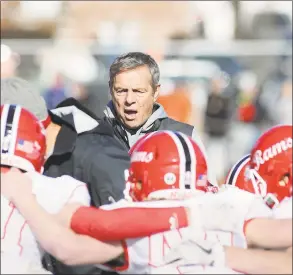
[(226, 67)]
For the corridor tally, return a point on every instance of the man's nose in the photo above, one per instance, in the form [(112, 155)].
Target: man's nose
[(130, 98)]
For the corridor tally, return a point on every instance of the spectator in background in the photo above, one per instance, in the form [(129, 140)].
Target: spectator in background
[(270, 98), (218, 117), (79, 145), (133, 112), (56, 93), (284, 104), (96, 97), (69, 69), (244, 127)]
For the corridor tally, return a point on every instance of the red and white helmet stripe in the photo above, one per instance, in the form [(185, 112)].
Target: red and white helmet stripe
[(187, 159), (9, 124), (236, 169)]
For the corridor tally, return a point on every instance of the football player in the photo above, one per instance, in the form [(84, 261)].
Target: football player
[(268, 172), (23, 147), (143, 185)]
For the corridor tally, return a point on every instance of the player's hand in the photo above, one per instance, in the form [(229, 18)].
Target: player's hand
[(197, 252), (226, 210), (15, 184)]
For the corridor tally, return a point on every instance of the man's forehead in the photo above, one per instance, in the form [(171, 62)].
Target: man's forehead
[(139, 77)]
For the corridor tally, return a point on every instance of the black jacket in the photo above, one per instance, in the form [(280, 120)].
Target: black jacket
[(86, 149)]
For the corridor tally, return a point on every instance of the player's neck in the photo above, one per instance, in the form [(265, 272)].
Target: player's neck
[(51, 135)]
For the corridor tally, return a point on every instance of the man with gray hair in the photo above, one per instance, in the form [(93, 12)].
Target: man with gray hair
[(133, 112)]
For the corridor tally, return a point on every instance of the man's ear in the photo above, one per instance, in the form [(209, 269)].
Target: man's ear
[(157, 92)]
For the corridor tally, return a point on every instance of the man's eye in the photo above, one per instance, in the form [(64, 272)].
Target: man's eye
[(120, 91), (138, 91)]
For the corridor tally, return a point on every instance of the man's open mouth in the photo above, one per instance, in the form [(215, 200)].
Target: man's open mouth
[(130, 112)]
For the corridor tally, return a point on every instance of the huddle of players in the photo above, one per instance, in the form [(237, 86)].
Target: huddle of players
[(171, 221)]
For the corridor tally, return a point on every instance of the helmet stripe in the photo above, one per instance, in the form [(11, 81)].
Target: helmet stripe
[(3, 123), (15, 123), (10, 116), (193, 161), (187, 163), (181, 158), (231, 179), (6, 142)]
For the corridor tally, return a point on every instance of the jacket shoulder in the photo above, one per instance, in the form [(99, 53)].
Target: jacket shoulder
[(101, 142), (174, 125)]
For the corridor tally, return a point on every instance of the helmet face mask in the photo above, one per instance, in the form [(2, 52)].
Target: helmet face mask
[(260, 188), (166, 165), (259, 185)]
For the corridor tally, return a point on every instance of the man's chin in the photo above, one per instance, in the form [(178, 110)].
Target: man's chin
[(131, 124)]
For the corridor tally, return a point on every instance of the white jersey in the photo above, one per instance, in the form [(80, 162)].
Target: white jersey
[(146, 255), (19, 248), (284, 209), (193, 269)]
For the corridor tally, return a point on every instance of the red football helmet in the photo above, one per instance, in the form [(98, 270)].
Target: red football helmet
[(239, 175), (23, 139), (271, 164), (166, 165), (126, 172), (135, 145)]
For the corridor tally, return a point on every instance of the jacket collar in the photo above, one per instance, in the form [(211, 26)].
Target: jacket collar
[(158, 114), (74, 120)]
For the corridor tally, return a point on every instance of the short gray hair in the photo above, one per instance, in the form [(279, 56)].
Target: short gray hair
[(133, 60), (15, 90)]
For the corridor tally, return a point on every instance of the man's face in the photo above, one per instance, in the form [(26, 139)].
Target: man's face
[(133, 96)]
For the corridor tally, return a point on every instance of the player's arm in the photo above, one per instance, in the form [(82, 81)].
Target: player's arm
[(236, 211), (269, 233), (258, 261), (61, 242), (142, 219), (55, 238)]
